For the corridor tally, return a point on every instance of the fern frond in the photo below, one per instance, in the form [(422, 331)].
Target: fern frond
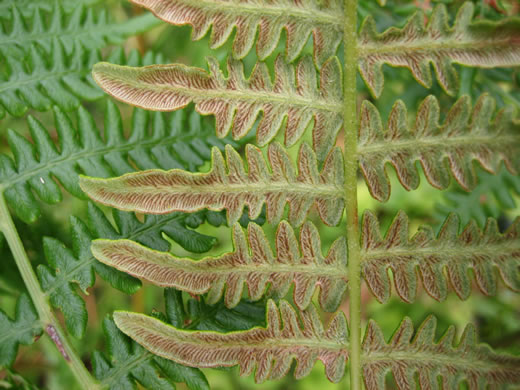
[(427, 360), (483, 252), (465, 136), (252, 263), (63, 80), (69, 267), (130, 365), (484, 44), (237, 101), (28, 7), (87, 27), (322, 18), (493, 195), (228, 186), (271, 349), (23, 329), (82, 149), (219, 318)]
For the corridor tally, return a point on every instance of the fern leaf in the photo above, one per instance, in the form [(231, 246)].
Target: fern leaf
[(219, 318), (64, 83), (28, 7), (284, 339), (85, 26), (482, 44), (237, 101), (15, 381), (23, 329), (156, 145), (465, 136), (422, 357), (69, 267), (307, 270), (228, 186), (482, 251), (493, 195), (130, 365), (324, 19)]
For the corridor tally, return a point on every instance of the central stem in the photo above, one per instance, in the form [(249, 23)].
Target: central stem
[(351, 169), (48, 321)]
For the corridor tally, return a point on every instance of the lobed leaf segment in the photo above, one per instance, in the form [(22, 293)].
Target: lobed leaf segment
[(64, 81), (491, 196), (152, 142), (484, 252), (429, 364), (197, 314), (255, 266), (299, 18), (466, 135), (292, 102), (483, 44), (285, 338), (25, 328), (68, 267), (270, 349), (228, 186), (87, 27), (27, 7), (83, 148)]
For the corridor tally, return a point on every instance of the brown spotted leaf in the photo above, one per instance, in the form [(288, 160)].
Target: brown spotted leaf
[(228, 186), (450, 256), (466, 136), (482, 44), (292, 102), (270, 349), (423, 361), (300, 18), (252, 263)]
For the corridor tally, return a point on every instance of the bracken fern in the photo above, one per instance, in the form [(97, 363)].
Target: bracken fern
[(297, 97), (467, 135)]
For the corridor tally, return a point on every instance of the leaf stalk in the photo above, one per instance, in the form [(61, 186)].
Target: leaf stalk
[(351, 168), (48, 320)]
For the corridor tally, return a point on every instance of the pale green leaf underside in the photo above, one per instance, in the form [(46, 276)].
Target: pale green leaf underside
[(291, 103), (443, 150), (300, 18), (252, 263), (482, 44), (426, 362), (228, 186), (270, 349), (450, 256)]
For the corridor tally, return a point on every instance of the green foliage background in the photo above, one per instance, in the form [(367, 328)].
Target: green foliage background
[(40, 365)]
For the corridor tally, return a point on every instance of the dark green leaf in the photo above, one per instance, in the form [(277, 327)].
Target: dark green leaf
[(24, 329), (82, 149)]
